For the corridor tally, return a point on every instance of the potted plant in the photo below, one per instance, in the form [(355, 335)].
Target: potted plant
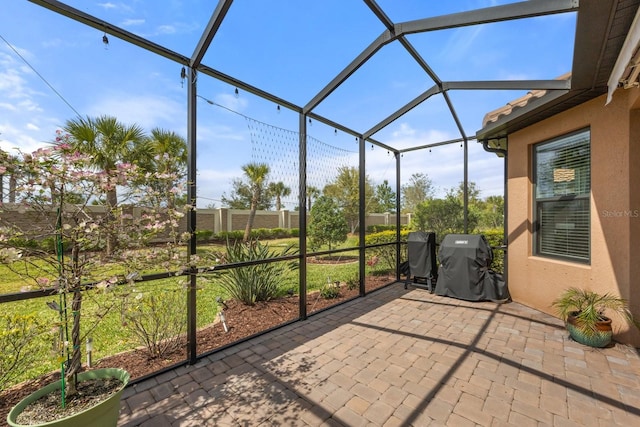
[(60, 233), (586, 313)]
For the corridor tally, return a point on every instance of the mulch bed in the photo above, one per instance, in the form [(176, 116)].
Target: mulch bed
[(243, 321)]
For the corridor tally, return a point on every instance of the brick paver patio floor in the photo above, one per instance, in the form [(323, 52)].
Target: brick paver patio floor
[(399, 358)]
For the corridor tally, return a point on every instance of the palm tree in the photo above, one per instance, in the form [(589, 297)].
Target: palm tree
[(257, 174), (312, 193), (110, 143), (279, 190), (166, 154)]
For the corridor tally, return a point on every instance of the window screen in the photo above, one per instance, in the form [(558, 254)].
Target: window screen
[(562, 188)]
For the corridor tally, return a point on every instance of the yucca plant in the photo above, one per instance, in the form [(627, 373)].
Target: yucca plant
[(255, 282)]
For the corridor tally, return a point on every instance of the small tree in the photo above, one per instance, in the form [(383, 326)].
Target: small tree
[(443, 216), (80, 235), (345, 190), (417, 190), (385, 198), (492, 212), (327, 224)]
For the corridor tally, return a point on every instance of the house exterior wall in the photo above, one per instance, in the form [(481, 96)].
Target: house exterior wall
[(615, 208)]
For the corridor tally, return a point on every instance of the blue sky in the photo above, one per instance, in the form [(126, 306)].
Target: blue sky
[(291, 49)]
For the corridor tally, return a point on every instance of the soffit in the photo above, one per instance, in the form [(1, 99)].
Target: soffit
[(601, 31)]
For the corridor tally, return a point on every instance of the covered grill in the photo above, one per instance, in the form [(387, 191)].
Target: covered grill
[(464, 273), (421, 252)]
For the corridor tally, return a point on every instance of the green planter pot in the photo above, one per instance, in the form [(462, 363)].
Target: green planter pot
[(104, 414), (601, 338)]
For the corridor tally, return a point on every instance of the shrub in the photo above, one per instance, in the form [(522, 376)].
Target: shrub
[(229, 235), (18, 333), (353, 282), (495, 238), (380, 227), (330, 290), (280, 233), (49, 244), (20, 242), (253, 283), (386, 254), (262, 233), (204, 235), (381, 272), (156, 319)]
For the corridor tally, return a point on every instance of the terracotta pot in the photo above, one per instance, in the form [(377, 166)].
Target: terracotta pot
[(601, 338)]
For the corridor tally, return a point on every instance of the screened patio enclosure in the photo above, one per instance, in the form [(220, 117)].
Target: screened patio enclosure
[(341, 98)]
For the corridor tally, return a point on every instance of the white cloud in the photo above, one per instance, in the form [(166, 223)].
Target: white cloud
[(107, 5), (132, 22), (13, 138), (166, 29), (147, 111), (120, 6), (508, 75), (404, 131), (405, 136), (29, 105), (444, 165), (212, 184), (219, 132), (217, 175), (12, 82), (8, 106), (235, 103), (460, 44), (53, 43)]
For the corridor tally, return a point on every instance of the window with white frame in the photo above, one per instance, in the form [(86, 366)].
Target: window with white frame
[(562, 179)]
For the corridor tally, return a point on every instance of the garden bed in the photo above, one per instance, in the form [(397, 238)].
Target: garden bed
[(243, 321)]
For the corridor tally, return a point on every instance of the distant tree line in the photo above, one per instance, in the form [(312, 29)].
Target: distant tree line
[(334, 210)]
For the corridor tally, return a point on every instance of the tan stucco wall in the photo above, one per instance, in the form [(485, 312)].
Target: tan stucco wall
[(615, 208)]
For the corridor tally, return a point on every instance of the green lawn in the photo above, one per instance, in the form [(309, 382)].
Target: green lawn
[(113, 335)]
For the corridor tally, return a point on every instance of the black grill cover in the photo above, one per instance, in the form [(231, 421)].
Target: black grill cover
[(464, 270), (421, 251)]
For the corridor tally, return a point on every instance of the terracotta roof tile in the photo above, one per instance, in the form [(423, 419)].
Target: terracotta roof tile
[(494, 115)]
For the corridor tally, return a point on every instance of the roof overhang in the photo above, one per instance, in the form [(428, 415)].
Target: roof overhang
[(626, 71), (603, 28)]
